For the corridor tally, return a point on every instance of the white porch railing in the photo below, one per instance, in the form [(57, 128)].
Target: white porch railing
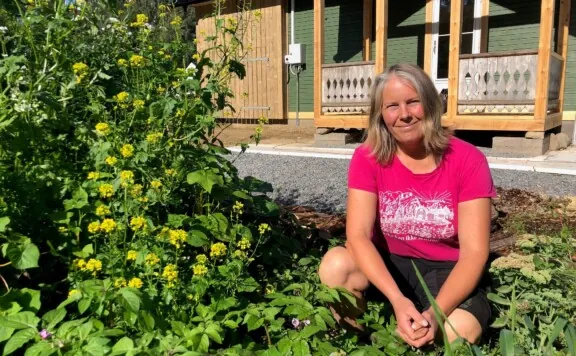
[(346, 87), (504, 83)]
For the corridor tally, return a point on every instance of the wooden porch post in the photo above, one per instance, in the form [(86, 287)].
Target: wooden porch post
[(562, 45), (543, 68), (428, 37), (318, 57), (454, 57), (367, 30), (381, 35)]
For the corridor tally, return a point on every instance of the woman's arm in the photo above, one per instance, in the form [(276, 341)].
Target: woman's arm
[(360, 219), (474, 238)]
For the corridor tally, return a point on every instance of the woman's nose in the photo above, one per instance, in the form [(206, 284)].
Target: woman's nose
[(404, 111)]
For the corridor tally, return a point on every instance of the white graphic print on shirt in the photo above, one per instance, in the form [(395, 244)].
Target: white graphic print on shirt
[(411, 216)]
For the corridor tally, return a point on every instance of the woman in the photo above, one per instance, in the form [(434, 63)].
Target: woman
[(415, 194)]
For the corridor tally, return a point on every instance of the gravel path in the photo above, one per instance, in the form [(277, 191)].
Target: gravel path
[(321, 182)]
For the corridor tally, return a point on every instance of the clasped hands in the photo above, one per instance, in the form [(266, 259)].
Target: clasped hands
[(415, 328)]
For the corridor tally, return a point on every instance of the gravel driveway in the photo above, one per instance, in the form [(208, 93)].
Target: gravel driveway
[(321, 182)]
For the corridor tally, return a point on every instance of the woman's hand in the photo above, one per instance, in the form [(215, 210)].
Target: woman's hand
[(412, 326)]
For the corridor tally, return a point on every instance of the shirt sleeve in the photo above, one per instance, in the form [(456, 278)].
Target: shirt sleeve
[(475, 178), (362, 171)]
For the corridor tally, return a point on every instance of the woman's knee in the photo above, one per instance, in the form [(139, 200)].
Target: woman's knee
[(463, 324), (338, 268)]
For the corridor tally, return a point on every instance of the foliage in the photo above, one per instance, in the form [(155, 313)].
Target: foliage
[(126, 229)]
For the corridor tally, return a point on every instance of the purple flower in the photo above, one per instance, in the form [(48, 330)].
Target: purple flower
[(44, 334), (306, 322), (295, 322)]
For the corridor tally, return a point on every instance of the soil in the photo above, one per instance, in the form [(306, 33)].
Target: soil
[(235, 134)]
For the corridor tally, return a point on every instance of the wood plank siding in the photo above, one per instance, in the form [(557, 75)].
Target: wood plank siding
[(262, 92)]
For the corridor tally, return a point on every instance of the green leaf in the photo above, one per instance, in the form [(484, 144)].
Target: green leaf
[(498, 299), (130, 300), (85, 329), (84, 304), (5, 333), (40, 349), (558, 327), (300, 348), (271, 312), (253, 322), (237, 68), (18, 340), (78, 201), (241, 194), (123, 345), (176, 220), (505, 289), (19, 321), (231, 324), (570, 335), (204, 343), (23, 256), (206, 179), (146, 321), (225, 304), (285, 346), (53, 317), (197, 238), (4, 221), (506, 342), (500, 322), (212, 332), (97, 346), (249, 285), (308, 331)]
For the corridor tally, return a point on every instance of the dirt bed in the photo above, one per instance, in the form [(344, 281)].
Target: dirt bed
[(235, 134)]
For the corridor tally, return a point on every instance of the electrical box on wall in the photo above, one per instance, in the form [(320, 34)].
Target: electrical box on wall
[(296, 54)]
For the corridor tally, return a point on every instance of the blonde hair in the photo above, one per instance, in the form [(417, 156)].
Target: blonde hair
[(377, 137)]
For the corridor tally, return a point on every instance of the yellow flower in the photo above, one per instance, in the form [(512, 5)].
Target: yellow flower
[(102, 128), (138, 104), (167, 57), (202, 259), (217, 250), (93, 175), (137, 223), (62, 229), (177, 21), (108, 225), (106, 190), (177, 237), (200, 270), (240, 254), (122, 62), (154, 137), (94, 265), (151, 259), (80, 263), (136, 61), (270, 289), (175, 84), (127, 150), (135, 283), (180, 113), (156, 184), (102, 210), (119, 282), (161, 53), (195, 41), (162, 8), (238, 208), (163, 234), (257, 14), (170, 273), (73, 292), (196, 57), (263, 228), (131, 255), (80, 71), (111, 160), (94, 227), (136, 190), (122, 97), (161, 90), (141, 20), (244, 244), (170, 172), (127, 176)]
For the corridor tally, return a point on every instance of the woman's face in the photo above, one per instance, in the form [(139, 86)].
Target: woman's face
[(402, 111)]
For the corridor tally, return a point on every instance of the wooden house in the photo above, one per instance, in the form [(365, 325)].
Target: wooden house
[(505, 65)]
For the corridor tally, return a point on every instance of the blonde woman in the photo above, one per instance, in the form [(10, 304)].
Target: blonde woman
[(415, 194)]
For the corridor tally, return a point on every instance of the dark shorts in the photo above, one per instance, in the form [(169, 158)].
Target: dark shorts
[(434, 274)]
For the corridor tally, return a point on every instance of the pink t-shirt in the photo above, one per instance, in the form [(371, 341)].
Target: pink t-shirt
[(418, 213)]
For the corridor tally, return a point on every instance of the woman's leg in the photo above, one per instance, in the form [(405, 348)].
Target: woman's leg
[(465, 324), (338, 269)]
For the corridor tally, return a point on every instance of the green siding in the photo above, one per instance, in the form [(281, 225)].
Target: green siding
[(513, 25)]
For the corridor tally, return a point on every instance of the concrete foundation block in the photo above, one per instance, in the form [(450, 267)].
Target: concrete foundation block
[(520, 146)]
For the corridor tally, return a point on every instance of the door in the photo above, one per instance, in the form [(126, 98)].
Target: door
[(470, 43)]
